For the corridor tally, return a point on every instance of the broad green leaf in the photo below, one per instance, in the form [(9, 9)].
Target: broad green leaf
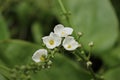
[(114, 57), (112, 74), (96, 19), (17, 52), (4, 72), (27, 11), (4, 32), (24, 11), (37, 32), (62, 69), (20, 52), (2, 77)]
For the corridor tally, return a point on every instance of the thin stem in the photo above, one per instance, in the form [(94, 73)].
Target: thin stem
[(62, 6), (89, 54), (92, 73), (65, 12), (78, 57), (89, 67)]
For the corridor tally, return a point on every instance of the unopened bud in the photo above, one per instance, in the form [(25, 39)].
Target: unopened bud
[(89, 63), (43, 66), (91, 44), (48, 66), (23, 67), (80, 45), (82, 52), (102, 77), (49, 62), (80, 33), (92, 79)]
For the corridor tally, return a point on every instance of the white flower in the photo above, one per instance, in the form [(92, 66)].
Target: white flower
[(40, 55), (69, 43), (62, 31), (52, 41)]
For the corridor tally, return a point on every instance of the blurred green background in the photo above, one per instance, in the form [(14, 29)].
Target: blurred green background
[(24, 22)]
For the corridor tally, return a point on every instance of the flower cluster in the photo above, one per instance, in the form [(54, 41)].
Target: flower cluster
[(60, 36)]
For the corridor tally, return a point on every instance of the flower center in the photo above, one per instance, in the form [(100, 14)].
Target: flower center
[(42, 58), (51, 42), (69, 46), (63, 33)]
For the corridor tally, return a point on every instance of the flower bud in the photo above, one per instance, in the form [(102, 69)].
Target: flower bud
[(23, 67), (48, 67), (49, 62), (91, 44), (89, 63), (82, 52), (79, 45), (92, 79), (43, 66), (80, 34), (102, 77)]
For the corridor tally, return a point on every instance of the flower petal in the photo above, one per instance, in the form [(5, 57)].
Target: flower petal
[(58, 28), (68, 40), (74, 45), (58, 41), (56, 38), (36, 56), (45, 39), (50, 46), (68, 30), (53, 35), (69, 43)]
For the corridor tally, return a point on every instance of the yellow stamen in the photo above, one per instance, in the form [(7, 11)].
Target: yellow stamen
[(63, 32), (51, 42), (42, 58), (69, 46)]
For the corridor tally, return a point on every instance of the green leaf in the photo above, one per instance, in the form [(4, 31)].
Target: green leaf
[(17, 52), (62, 69), (112, 74), (114, 57), (4, 72), (37, 32), (20, 52), (27, 11), (4, 32), (96, 19), (23, 11), (2, 77)]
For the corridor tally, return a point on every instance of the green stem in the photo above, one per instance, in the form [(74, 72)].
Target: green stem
[(65, 12), (89, 54), (92, 73), (62, 6)]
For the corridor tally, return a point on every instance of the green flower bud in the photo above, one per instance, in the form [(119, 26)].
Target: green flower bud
[(91, 44), (89, 63)]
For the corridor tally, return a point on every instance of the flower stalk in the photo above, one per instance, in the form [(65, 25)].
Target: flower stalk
[(65, 12), (84, 58)]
